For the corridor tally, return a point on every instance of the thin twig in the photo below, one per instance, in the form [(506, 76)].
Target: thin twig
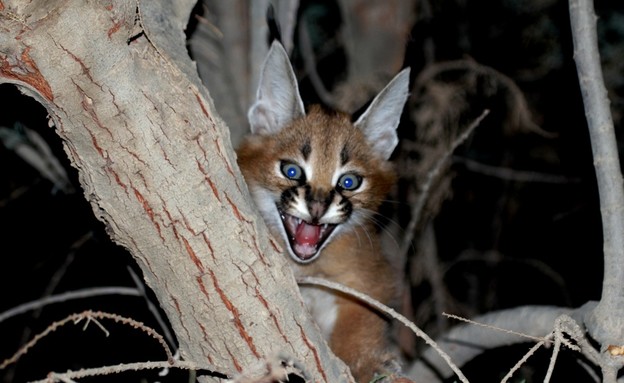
[(108, 370), (535, 338), (89, 316), (522, 360), (67, 296), (563, 325), (520, 112), (388, 310), (431, 176), (152, 308), (508, 174)]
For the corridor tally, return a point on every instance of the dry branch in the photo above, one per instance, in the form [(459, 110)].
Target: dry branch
[(465, 342), (156, 164)]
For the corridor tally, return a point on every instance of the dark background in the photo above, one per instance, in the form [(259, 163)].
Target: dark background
[(501, 242)]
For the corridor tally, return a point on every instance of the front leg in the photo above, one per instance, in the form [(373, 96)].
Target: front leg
[(360, 339)]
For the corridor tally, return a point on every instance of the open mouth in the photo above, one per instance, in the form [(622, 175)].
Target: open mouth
[(305, 238)]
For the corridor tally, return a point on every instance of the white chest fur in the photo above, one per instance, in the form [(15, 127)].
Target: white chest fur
[(322, 307)]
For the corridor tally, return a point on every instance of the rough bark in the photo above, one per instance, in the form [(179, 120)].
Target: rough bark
[(157, 166)]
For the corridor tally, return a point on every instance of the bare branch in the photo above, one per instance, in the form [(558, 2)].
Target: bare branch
[(116, 369), (521, 362), (391, 312), (606, 322), (512, 174), (88, 316), (431, 176), (465, 342), (67, 296)]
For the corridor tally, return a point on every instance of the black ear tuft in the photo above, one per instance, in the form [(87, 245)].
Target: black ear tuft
[(275, 31)]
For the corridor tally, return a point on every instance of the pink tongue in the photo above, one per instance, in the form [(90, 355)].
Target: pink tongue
[(307, 234)]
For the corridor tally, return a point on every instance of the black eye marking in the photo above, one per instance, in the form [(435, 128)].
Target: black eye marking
[(344, 155), (346, 207), (288, 196), (306, 149)]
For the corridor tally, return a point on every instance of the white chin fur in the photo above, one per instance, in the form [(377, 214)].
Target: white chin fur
[(265, 201)]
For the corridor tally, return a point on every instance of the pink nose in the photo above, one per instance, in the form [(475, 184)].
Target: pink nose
[(317, 209)]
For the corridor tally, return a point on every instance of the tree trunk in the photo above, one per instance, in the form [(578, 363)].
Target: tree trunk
[(157, 166)]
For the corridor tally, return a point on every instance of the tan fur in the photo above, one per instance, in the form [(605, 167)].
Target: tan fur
[(360, 335), (352, 258)]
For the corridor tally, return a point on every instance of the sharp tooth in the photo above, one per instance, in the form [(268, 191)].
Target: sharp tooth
[(299, 221)]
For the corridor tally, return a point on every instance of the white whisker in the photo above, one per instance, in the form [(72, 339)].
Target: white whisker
[(370, 240), (371, 216)]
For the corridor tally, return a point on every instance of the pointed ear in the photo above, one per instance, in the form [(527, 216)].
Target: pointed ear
[(380, 120), (277, 100)]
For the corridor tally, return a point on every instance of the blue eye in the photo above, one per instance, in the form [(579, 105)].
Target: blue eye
[(292, 171), (349, 181)]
